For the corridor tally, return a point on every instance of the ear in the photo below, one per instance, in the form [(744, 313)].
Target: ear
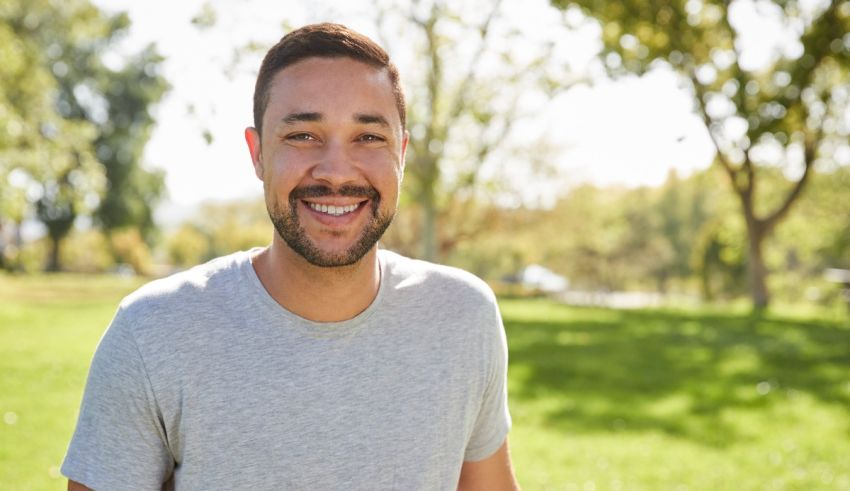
[(252, 138), (404, 143)]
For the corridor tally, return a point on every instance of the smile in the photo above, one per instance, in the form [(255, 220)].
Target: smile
[(333, 210)]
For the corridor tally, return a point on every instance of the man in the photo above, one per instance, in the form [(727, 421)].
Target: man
[(318, 362)]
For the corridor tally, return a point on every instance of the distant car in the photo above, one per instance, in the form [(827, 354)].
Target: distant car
[(540, 278)]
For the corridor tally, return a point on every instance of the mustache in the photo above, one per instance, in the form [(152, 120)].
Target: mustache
[(319, 191)]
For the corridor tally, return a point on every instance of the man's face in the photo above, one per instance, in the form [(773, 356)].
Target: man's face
[(331, 158)]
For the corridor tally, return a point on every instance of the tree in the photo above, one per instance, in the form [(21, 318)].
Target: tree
[(133, 190), (81, 125), (117, 102), (787, 109), (475, 76), (683, 208), (46, 158), (219, 228)]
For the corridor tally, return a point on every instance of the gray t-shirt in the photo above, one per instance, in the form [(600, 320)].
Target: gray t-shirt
[(203, 381)]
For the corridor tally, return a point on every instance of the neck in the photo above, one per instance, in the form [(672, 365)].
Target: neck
[(316, 293)]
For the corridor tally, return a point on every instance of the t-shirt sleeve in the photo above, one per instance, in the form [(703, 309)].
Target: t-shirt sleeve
[(494, 420), (119, 442)]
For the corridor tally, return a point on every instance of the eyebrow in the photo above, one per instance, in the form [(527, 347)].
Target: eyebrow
[(372, 119), (301, 117), (311, 117)]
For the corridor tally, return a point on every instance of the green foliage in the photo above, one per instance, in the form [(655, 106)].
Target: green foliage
[(30, 259), (683, 237), (218, 229), (76, 126), (235, 226), (206, 17), (463, 105), (83, 251), (46, 157), (133, 190), (719, 256), (87, 251), (819, 235), (128, 247), (188, 246), (814, 239), (617, 238), (786, 111)]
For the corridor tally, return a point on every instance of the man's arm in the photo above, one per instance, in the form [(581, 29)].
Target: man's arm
[(493, 473), (75, 486), (119, 436)]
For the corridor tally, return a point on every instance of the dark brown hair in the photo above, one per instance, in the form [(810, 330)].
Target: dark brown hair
[(324, 40)]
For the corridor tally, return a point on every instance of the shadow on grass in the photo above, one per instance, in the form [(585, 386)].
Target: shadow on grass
[(678, 373)]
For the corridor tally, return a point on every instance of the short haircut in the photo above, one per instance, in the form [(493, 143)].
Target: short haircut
[(323, 40)]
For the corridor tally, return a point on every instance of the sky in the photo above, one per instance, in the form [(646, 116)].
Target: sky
[(629, 132)]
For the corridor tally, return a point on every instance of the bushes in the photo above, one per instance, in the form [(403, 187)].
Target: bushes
[(129, 248)]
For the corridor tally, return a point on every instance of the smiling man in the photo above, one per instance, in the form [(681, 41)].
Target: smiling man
[(318, 362)]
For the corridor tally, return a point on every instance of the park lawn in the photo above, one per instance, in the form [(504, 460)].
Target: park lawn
[(601, 399), (655, 400), (49, 327)]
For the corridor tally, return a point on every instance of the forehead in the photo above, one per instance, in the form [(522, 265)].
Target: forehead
[(331, 86)]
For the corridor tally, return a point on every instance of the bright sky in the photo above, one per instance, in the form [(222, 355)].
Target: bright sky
[(629, 132)]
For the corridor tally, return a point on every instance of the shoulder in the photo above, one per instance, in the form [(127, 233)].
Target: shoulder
[(185, 294), (454, 303), (435, 280), (199, 278)]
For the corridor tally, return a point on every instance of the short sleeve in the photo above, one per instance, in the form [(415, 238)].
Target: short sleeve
[(119, 442), (494, 420)]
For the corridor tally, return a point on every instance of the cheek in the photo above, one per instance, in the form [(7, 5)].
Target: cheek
[(390, 186), (281, 173)]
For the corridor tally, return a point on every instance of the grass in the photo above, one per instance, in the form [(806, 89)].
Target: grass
[(49, 327), (654, 400), (601, 399)]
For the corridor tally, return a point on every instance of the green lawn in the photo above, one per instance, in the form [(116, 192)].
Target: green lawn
[(49, 327), (606, 400), (601, 399)]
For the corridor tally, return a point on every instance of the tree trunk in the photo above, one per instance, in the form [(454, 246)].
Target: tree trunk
[(429, 229), (53, 262), (756, 269), (18, 242)]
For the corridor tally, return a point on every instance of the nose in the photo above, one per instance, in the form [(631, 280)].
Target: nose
[(335, 167)]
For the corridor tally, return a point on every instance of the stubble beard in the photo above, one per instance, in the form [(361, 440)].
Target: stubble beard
[(289, 228)]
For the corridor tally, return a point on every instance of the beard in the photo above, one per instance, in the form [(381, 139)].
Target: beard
[(289, 228)]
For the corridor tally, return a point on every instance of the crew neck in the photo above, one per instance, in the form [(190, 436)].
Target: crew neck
[(265, 303)]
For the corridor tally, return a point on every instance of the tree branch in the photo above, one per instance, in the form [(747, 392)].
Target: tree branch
[(459, 102), (731, 171), (809, 155), (813, 139)]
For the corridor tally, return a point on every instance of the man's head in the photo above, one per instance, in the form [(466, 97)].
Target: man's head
[(324, 40), (329, 142)]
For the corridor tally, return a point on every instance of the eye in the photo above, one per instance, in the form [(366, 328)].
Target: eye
[(370, 138), (300, 137)]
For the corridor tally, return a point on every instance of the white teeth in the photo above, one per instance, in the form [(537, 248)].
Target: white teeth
[(333, 210)]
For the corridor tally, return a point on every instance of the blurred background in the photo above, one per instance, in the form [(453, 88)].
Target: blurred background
[(658, 191)]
